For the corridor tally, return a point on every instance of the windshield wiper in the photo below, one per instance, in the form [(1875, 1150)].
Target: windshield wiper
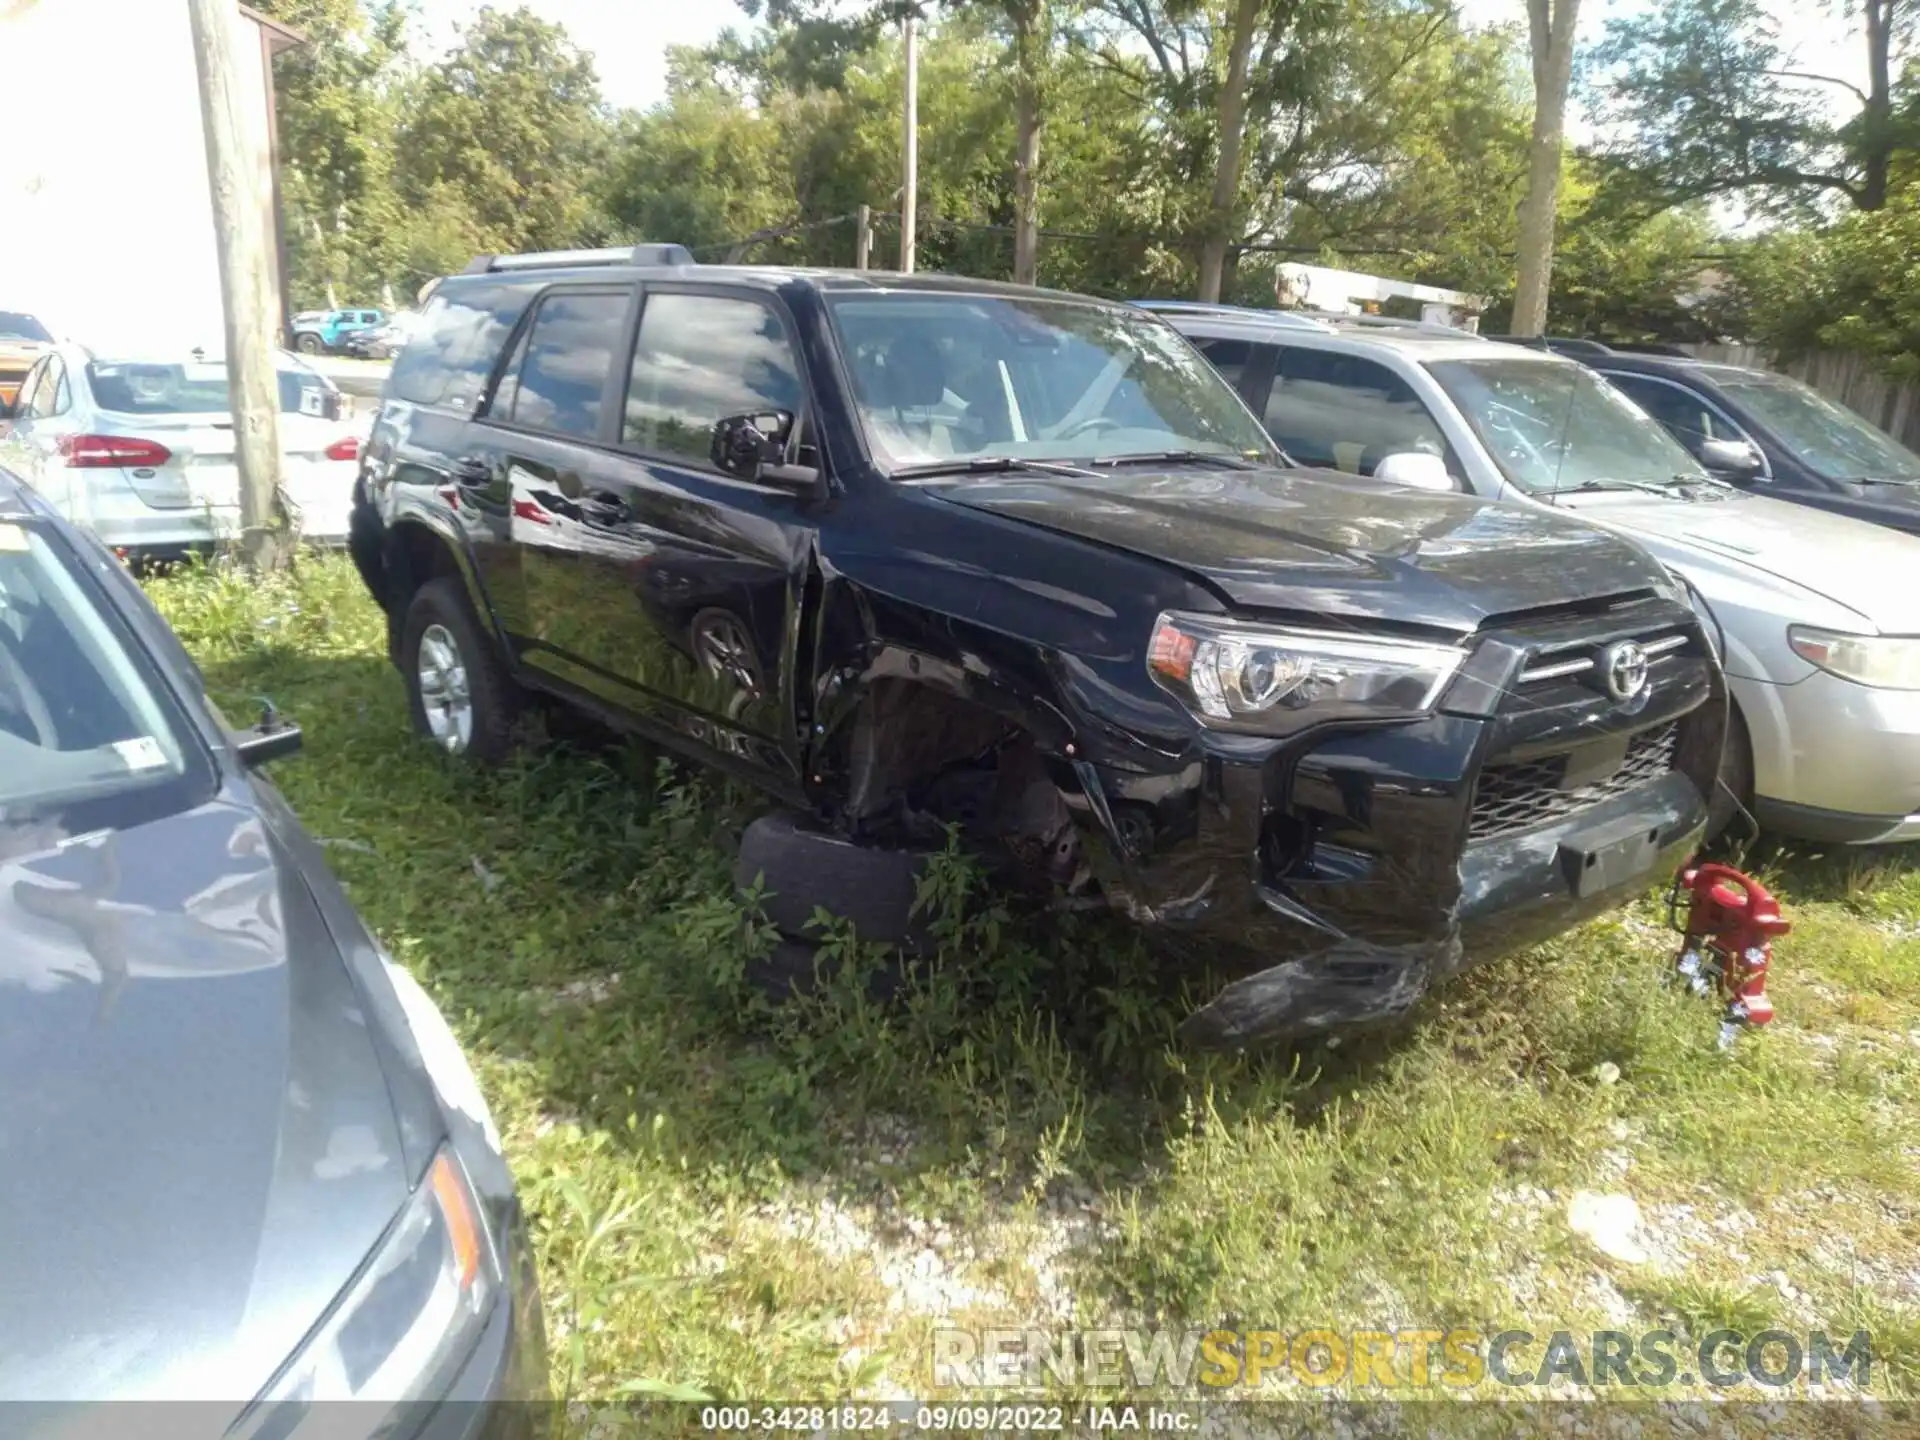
[(981, 465), (1651, 487), (1176, 457)]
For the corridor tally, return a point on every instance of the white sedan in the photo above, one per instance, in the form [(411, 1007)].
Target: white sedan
[(141, 452)]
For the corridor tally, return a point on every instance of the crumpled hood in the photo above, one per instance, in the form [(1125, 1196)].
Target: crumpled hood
[(197, 1145), (1292, 540), (1868, 568)]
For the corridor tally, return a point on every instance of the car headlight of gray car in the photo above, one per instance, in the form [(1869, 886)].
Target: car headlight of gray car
[(1271, 680), (1886, 662), (409, 1319)]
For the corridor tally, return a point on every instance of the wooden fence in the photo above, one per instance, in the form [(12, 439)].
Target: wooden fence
[(1893, 405)]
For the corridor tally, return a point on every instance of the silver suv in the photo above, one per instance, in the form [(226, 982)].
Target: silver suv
[(1818, 614)]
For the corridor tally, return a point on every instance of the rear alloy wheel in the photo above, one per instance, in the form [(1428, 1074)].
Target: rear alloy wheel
[(444, 696), (308, 344), (457, 690)]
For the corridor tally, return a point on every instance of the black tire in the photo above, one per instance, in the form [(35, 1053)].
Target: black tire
[(801, 869), (1733, 790), (494, 701), (309, 344)]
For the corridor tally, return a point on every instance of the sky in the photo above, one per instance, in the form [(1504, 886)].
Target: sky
[(629, 38)]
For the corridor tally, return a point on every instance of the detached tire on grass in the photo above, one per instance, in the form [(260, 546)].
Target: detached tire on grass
[(796, 968), (802, 869), (458, 692)]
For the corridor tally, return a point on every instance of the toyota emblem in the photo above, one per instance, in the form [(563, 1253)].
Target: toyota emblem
[(1625, 666)]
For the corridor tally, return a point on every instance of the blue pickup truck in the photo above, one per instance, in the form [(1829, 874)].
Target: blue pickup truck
[(325, 332)]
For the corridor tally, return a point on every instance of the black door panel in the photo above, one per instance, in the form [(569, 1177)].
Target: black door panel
[(664, 586)]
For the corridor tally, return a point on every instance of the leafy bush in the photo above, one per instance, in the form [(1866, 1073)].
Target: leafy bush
[(1853, 286)]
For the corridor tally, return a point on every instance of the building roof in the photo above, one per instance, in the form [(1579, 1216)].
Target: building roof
[(280, 36)]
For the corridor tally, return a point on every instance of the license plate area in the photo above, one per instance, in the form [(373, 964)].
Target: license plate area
[(1603, 856)]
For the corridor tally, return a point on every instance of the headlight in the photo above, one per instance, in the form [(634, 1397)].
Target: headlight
[(406, 1323), (1271, 680), (1886, 662)]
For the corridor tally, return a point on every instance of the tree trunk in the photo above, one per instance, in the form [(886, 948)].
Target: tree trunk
[(1026, 155), (1230, 116), (1877, 138), (1551, 25)]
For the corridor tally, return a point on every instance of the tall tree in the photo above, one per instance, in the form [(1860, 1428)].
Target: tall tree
[(1031, 24), (1550, 33), (1216, 73), (506, 133), (1230, 114), (1710, 99), (822, 35), (1413, 149)]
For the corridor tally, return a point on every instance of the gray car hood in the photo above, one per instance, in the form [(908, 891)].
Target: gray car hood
[(1347, 548), (1868, 568), (197, 1147)]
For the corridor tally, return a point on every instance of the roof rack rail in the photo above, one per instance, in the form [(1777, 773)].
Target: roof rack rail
[(647, 254), (1558, 344), (1292, 319), (1395, 322), (1653, 347)]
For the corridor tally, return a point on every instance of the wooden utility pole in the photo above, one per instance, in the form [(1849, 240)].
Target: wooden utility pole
[(863, 237), (910, 149), (240, 185)]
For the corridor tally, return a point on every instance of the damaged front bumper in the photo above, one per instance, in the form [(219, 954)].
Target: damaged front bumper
[(1336, 880), (1512, 893)]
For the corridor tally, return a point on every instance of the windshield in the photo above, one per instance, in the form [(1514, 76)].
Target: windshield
[(966, 377), (1552, 426), (15, 326), (198, 389), (87, 740), (1828, 437)]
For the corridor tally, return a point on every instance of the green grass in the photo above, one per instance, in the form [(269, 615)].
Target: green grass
[(782, 1205)]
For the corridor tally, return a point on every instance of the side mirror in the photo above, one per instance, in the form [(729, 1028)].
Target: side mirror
[(272, 739), (754, 447), (1415, 469), (1733, 459)]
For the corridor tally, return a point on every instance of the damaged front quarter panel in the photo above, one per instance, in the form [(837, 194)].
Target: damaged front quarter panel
[(1331, 878)]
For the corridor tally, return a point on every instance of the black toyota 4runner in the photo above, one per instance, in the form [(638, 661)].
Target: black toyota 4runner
[(911, 550)]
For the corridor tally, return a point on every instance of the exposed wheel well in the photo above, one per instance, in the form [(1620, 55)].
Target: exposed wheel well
[(918, 758)]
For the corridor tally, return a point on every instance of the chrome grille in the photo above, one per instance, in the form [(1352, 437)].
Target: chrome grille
[(1519, 796), (1554, 669)]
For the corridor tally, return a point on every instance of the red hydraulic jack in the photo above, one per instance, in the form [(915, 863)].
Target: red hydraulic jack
[(1729, 929)]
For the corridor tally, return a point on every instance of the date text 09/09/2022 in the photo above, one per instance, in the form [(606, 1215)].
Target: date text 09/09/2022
[(939, 1418)]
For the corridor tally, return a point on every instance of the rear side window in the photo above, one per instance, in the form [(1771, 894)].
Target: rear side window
[(1229, 357), (701, 358), (1344, 412), (455, 343), (559, 371)]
